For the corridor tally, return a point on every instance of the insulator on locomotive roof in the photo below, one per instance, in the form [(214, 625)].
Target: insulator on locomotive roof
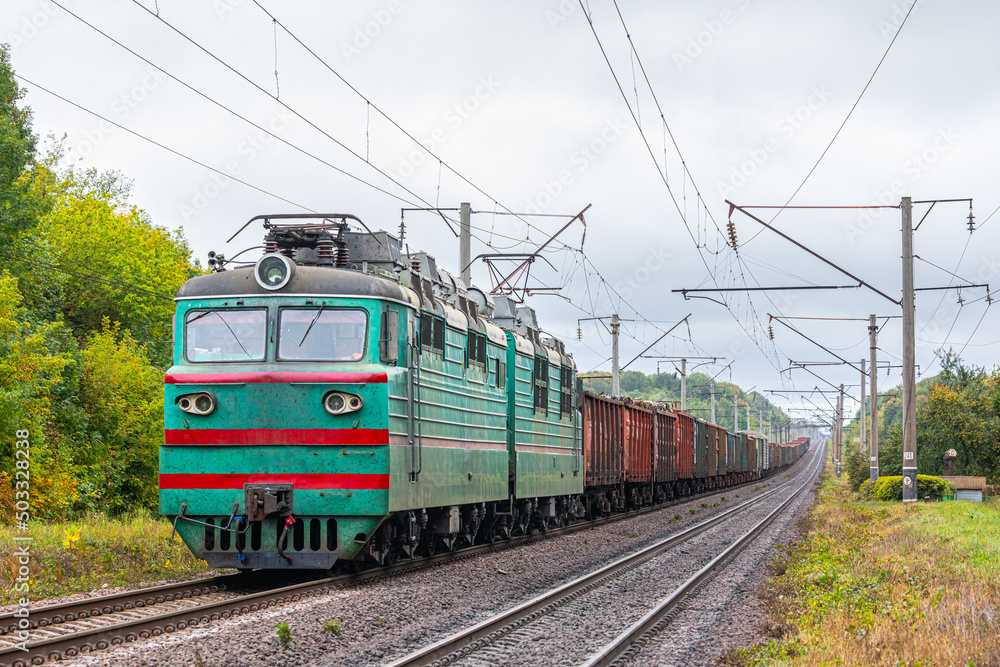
[(343, 254)]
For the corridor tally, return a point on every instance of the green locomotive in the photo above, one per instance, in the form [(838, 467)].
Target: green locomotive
[(340, 401)]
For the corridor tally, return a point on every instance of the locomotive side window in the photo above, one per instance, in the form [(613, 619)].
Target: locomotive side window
[(477, 349), (320, 334), (225, 335), (426, 331), (431, 332), (541, 381), (565, 391), (439, 335)]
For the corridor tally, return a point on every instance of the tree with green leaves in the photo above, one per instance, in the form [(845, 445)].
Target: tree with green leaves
[(17, 152)]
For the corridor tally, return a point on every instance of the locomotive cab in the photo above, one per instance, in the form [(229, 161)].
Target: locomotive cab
[(277, 409)]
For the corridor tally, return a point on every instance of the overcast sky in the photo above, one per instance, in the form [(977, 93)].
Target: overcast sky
[(516, 97)]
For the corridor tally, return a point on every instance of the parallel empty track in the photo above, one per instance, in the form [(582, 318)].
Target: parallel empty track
[(548, 621)]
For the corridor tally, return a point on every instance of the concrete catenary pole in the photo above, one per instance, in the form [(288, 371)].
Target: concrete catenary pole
[(712, 385), (465, 243), (873, 452), (736, 412), (748, 416), (615, 387), (909, 361), (839, 426), (864, 420), (684, 384)]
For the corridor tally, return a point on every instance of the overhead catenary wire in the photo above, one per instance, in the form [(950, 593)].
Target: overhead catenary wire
[(163, 146), (208, 98), (229, 110), (850, 112), (663, 174), (441, 162)]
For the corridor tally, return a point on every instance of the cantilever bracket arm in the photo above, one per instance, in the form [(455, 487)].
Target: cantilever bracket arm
[(811, 252)]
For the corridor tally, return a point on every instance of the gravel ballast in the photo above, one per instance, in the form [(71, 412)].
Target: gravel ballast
[(385, 620)]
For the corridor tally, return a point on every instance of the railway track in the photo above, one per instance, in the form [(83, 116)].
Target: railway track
[(503, 638), (70, 629)]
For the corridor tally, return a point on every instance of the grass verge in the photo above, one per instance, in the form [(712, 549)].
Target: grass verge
[(69, 558), (875, 583)]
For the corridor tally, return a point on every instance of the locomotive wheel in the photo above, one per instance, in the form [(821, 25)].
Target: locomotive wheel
[(428, 545), (385, 544)]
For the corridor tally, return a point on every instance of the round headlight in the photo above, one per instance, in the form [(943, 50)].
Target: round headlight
[(273, 271), (335, 403), (203, 404)]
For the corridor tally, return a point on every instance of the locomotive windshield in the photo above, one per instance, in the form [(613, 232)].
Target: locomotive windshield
[(225, 335), (321, 334)]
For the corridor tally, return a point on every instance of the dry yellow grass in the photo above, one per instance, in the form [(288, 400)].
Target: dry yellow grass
[(883, 584), (84, 555)]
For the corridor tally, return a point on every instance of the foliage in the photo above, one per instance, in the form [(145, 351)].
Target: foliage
[(96, 551), (958, 409), (122, 394), (890, 488), (333, 627), (884, 584), (17, 151), (30, 365), (95, 256), (857, 466), (86, 287), (284, 635)]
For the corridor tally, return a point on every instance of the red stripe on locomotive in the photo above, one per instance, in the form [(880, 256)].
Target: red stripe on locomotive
[(277, 436), (275, 376), (305, 481)]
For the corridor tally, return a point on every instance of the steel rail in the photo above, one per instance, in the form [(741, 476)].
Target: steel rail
[(130, 629), (622, 646), (492, 628), (54, 614)]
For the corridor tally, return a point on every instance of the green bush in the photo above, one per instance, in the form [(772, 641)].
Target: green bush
[(891, 488), (856, 467)]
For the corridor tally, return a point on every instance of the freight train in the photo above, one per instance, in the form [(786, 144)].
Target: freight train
[(341, 402)]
